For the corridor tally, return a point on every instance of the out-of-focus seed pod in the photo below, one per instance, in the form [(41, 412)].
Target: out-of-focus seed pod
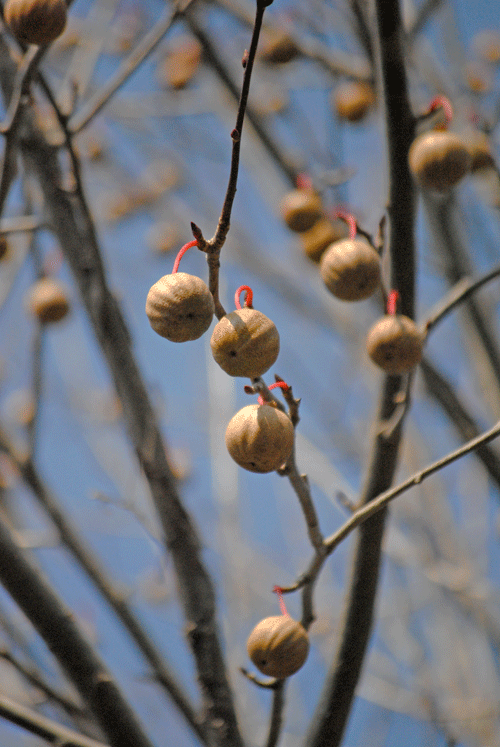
[(278, 646), (180, 307), (181, 63), (277, 47), (47, 300), (438, 160), (350, 269), (301, 209), (353, 100), (35, 21), (245, 343), (395, 344), (318, 238), (478, 145), (260, 438)]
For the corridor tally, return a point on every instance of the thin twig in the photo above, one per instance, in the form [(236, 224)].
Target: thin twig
[(70, 706), (46, 728), (288, 167), (445, 394), (300, 485), (276, 714), (444, 221), (80, 119), (56, 625), (214, 246), (459, 293), (10, 126), (20, 224), (372, 507), (117, 602)]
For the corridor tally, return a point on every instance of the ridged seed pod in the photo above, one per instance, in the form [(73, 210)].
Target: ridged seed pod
[(318, 238), (353, 99), (301, 209), (245, 343), (438, 160), (395, 344), (350, 269), (260, 438), (278, 646), (180, 307), (47, 300), (35, 21)]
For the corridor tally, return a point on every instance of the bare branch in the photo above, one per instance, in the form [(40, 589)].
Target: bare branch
[(42, 726), (71, 221), (141, 51), (381, 501), (116, 600), (57, 627), (332, 713)]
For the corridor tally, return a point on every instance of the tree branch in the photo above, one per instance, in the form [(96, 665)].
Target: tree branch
[(56, 625), (50, 730), (332, 713), (70, 218), (83, 556)]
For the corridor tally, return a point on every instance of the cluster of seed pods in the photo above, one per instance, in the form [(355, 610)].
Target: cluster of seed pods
[(259, 437)]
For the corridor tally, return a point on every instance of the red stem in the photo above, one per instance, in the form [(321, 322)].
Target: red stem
[(303, 181), (277, 590), (349, 219), (444, 103), (181, 253), (392, 302), (248, 297), (280, 384)]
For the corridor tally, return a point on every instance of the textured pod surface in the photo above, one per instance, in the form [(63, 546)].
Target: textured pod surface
[(301, 208), (318, 238), (180, 307), (47, 300), (260, 438), (438, 160), (245, 343), (278, 646), (36, 21), (350, 269), (395, 344), (353, 99)]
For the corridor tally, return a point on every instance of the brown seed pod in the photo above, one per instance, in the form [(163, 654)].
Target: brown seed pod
[(278, 646), (278, 47), (350, 269), (487, 44), (395, 343), (4, 246), (318, 238), (47, 299), (438, 160), (260, 438), (35, 21), (245, 343), (352, 100), (301, 209), (180, 307), (181, 63), (478, 145)]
